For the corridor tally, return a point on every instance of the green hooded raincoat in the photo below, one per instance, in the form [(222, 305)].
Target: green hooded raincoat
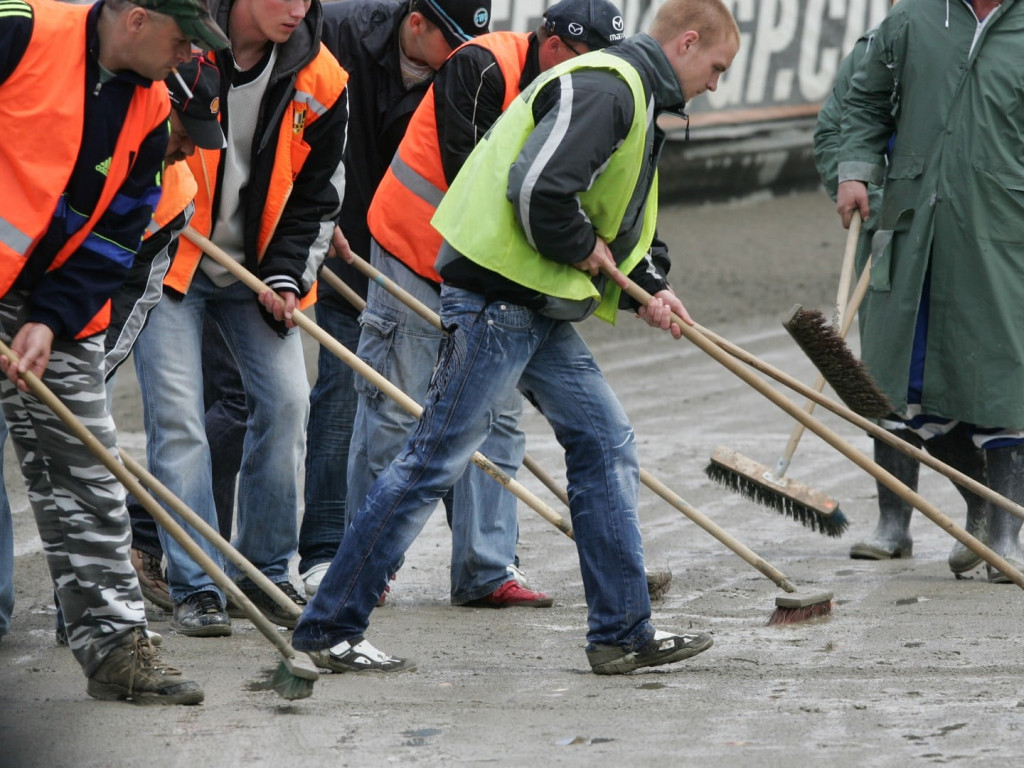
[(954, 204)]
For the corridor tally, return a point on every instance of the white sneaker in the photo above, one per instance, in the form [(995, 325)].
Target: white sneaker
[(311, 579), (518, 575)]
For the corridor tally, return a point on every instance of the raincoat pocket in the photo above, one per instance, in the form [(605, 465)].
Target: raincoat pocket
[(882, 246)]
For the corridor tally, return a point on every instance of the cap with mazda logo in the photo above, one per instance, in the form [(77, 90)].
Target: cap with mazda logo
[(597, 23)]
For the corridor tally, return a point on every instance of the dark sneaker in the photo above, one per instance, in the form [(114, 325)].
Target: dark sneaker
[(512, 593), (663, 648), (201, 615), (266, 605), (134, 671), (357, 655), (151, 579)]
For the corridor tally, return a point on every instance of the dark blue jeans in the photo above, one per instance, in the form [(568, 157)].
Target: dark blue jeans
[(492, 348), (332, 411)]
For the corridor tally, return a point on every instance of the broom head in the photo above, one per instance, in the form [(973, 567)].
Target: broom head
[(294, 677), (847, 375), (790, 609), (756, 482)]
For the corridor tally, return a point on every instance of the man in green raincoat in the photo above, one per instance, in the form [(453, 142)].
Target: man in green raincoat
[(943, 327)]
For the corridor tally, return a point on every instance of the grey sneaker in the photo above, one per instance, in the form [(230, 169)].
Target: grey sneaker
[(201, 615), (133, 671), (357, 655), (311, 579), (663, 648)]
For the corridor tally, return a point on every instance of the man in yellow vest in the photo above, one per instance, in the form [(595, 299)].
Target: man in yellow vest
[(84, 120), (562, 189)]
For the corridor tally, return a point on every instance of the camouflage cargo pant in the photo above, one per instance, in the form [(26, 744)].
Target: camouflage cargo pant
[(78, 504)]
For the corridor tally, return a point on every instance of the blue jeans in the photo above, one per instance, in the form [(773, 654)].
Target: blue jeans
[(226, 414), (401, 345), (332, 412), (6, 544), (168, 361), (491, 349)]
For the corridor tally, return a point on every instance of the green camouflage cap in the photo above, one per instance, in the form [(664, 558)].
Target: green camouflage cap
[(193, 16)]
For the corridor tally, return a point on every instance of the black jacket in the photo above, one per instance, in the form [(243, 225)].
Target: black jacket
[(314, 198), (363, 36)]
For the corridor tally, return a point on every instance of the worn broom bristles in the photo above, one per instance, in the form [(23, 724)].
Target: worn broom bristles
[(847, 375), (753, 481), (293, 679), (791, 609)]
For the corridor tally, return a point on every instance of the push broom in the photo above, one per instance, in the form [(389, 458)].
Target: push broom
[(788, 610), (861, 422), (770, 486), (825, 344), (296, 673), (702, 339)]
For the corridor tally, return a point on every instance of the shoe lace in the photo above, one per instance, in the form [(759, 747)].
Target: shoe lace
[(206, 603), (145, 656), (289, 590)]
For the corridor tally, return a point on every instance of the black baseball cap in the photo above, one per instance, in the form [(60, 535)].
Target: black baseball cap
[(198, 107), (597, 23), (193, 16), (459, 20)]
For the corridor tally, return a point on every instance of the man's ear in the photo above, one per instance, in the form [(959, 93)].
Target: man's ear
[(137, 18), (418, 23), (688, 39)]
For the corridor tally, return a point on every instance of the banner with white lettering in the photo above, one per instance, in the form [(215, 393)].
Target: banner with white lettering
[(789, 51)]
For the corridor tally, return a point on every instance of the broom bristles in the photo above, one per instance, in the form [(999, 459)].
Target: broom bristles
[(293, 679), (831, 523), (795, 615), (847, 375)]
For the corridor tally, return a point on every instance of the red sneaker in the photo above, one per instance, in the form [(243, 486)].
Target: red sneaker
[(512, 593)]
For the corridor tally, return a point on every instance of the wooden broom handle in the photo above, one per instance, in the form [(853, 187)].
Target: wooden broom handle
[(129, 481), (379, 381), (846, 271), (819, 383), (666, 493), (712, 349)]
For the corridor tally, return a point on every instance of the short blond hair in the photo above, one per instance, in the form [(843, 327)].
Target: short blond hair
[(710, 19)]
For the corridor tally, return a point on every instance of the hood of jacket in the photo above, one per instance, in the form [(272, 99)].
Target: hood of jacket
[(645, 54)]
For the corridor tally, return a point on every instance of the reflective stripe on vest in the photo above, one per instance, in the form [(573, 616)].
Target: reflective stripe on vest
[(47, 88), (414, 184), (179, 189), (318, 86), (478, 195)]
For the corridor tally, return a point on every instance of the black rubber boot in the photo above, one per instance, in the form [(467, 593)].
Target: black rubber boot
[(891, 538), (959, 451), (1006, 476)]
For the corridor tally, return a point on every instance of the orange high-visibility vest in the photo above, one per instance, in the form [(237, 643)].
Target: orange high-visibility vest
[(317, 87), (42, 112), (407, 196), (178, 189)]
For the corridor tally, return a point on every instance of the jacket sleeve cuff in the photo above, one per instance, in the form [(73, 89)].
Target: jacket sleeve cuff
[(855, 170), (281, 283), (51, 320)]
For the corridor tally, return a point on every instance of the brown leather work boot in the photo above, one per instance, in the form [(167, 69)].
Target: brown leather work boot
[(133, 671)]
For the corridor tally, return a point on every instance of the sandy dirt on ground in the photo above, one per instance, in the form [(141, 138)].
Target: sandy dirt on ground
[(912, 668)]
